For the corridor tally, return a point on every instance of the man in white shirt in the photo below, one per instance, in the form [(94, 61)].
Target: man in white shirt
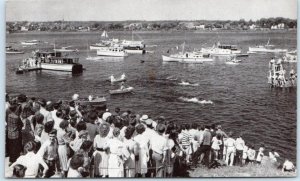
[(230, 149), (240, 144), (159, 147), (288, 166)]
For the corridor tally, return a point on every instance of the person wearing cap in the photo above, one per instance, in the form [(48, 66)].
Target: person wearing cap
[(158, 144), (100, 154), (116, 157), (31, 161), (106, 115)]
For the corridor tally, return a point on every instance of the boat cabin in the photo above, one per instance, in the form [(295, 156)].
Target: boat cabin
[(56, 58), (229, 47)]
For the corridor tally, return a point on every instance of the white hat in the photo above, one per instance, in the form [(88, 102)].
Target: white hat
[(144, 118), (75, 97), (276, 154)]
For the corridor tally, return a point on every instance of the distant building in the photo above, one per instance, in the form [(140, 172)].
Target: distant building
[(200, 27), (24, 28), (252, 27)]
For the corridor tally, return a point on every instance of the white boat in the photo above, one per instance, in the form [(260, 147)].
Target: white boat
[(65, 49), (121, 91), (222, 50), (133, 47), (97, 46), (266, 49), (290, 56), (187, 57), (54, 61), (10, 50), (233, 61), (30, 42), (122, 78), (112, 51)]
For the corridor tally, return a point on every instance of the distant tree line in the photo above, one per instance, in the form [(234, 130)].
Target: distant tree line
[(264, 23)]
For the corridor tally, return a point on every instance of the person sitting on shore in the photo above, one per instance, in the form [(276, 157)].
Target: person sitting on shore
[(251, 154), (288, 166)]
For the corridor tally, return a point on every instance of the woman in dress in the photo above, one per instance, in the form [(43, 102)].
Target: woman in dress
[(27, 130), (132, 148), (101, 155), (144, 142), (115, 161), (63, 139)]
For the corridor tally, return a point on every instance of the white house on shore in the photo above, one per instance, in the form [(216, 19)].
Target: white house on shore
[(24, 28)]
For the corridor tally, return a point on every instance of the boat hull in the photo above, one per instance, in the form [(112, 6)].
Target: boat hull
[(73, 68), (170, 59), (120, 91), (265, 50), (135, 51), (111, 54), (14, 52)]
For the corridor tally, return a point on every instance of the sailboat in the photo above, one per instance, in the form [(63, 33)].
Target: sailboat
[(104, 42)]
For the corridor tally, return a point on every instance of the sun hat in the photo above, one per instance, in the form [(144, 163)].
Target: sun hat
[(149, 122), (144, 118)]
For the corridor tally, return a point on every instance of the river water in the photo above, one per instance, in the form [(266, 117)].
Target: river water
[(235, 96)]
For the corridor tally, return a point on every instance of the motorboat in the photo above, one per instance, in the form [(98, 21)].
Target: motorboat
[(187, 57), (133, 47), (222, 50), (121, 91), (65, 49), (112, 51), (233, 61), (122, 78), (98, 102), (10, 50), (268, 48), (55, 61), (30, 42), (290, 57)]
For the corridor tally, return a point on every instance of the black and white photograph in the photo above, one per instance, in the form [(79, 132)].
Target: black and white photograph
[(150, 88)]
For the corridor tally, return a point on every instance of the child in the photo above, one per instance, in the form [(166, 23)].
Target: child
[(251, 154), (245, 156), (19, 171), (216, 142), (260, 155)]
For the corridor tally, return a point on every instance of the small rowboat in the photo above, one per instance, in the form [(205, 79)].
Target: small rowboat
[(98, 102), (120, 79), (121, 91)]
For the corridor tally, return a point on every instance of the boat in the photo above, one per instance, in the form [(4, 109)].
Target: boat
[(188, 57), (133, 47), (10, 50), (268, 48), (104, 42), (233, 61), (121, 91), (290, 57), (30, 42), (65, 49), (112, 51), (277, 77), (223, 50), (122, 78), (55, 61), (98, 102)]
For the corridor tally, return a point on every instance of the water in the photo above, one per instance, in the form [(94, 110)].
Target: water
[(235, 96)]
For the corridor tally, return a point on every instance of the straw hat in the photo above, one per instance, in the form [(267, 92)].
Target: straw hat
[(144, 118)]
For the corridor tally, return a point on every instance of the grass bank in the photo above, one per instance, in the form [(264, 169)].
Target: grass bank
[(267, 169)]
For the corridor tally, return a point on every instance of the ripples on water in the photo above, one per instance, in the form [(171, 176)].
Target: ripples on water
[(239, 97)]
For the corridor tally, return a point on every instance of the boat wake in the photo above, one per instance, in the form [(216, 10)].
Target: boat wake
[(195, 100), (172, 78), (183, 83)]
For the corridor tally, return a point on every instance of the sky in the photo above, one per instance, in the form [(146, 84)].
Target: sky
[(120, 10)]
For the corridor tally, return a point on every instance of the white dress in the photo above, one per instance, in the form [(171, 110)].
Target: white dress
[(115, 162), (129, 164), (141, 165)]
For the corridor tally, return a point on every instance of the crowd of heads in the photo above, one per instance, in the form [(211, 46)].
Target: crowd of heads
[(71, 140)]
